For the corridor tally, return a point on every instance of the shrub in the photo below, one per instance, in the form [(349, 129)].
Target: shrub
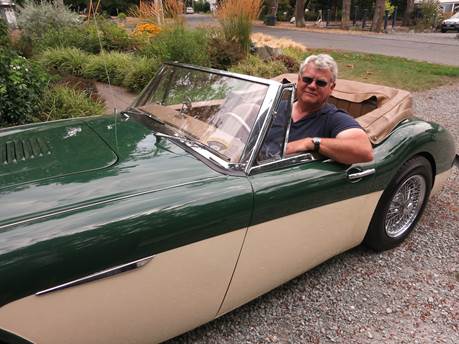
[(4, 34), (113, 37), (223, 53), (61, 102), (292, 64), (178, 44), (124, 69), (64, 60), (89, 36), (108, 67), (148, 29), (255, 66), (201, 6), (81, 37), (37, 18), (295, 53), (21, 86), (23, 45), (429, 11), (140, 73), (122, 16)]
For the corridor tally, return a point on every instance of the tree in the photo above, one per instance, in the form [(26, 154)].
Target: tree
[(378, 17), (408, 12), (274, 6), (299, 13), (346, 16)]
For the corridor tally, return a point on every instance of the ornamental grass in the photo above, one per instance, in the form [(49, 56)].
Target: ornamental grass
[(236, 17), (148, 9)]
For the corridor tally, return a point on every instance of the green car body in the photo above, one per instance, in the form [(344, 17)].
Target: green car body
[(83, 196)]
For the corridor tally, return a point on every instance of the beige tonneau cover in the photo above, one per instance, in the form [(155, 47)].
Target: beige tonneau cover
[(378, 109)]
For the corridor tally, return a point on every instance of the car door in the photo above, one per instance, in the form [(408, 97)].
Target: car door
[(306, 210), (136, 267)]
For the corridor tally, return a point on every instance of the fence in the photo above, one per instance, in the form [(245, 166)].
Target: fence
[(360, 18)]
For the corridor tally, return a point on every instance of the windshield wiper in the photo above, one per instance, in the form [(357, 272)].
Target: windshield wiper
[(145, 113), (193, 143)]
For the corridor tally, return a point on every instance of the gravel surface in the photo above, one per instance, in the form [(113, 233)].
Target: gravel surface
[(406, 295)]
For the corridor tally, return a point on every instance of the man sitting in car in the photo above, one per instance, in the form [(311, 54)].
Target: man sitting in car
[(317, 125)]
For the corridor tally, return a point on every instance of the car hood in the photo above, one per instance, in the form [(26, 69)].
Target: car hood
[(42, 151), (77, 167), (451, 21)]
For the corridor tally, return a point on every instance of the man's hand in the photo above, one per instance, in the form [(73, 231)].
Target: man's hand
[(349, 147)]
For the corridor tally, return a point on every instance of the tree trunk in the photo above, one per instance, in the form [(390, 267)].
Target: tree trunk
[(299, 13), (274, 6), (346, 16), (378, 17), (408, 12)]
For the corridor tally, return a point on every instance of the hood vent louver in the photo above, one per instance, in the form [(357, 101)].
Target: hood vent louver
[(22, 150)]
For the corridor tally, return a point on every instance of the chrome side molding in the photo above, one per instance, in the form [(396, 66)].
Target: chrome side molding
[(99, 275)]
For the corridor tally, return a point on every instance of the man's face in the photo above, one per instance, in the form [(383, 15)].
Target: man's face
[(311, 95)]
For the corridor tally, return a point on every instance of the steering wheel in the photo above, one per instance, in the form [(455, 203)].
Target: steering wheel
[(239, 119)]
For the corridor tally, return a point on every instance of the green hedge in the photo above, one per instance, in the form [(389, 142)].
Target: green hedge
[(22, 83)]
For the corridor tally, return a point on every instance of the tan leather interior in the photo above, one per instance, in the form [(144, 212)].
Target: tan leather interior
[(355, 109), (378, 109)]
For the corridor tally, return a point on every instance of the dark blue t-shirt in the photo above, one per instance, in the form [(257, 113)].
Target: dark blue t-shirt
[(327, 122)]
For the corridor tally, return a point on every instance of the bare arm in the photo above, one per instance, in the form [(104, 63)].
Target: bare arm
[(350, 146)]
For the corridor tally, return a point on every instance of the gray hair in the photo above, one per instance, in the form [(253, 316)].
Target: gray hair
[(321, 61)]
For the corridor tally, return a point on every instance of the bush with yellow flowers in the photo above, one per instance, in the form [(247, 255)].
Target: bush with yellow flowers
[(148, 29)]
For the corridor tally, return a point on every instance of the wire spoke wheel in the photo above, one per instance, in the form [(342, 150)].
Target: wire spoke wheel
[(405, 206)]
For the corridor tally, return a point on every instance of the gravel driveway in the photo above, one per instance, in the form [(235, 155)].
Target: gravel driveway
[(407, 295)]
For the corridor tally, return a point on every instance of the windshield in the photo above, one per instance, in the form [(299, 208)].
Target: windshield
[(216, 110), (456, 15)]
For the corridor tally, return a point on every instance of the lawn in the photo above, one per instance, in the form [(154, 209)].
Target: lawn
[(393, 71), (397, 72)]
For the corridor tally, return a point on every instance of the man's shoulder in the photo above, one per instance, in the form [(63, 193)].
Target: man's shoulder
[(332, 111), (339, 120)]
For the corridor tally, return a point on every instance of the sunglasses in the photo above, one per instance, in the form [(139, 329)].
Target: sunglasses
[(319, 82)]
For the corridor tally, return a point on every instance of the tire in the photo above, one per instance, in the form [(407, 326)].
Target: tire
[(401, 205), (443, 30)]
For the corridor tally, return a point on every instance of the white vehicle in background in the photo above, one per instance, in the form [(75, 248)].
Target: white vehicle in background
[(451, 24), (189, 10)]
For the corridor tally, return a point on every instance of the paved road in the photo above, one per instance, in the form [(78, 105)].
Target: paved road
[(440, 48)]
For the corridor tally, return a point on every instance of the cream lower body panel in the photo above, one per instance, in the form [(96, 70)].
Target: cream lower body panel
[(279, 250), (440, 181), (178, 290)]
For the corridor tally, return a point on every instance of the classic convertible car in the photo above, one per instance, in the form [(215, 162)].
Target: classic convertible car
[(137, 227)]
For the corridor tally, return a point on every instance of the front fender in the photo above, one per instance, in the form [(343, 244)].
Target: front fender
[(413, 137)]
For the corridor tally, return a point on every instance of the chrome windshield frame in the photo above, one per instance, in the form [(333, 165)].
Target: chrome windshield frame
[(259, 127), (266, 124)]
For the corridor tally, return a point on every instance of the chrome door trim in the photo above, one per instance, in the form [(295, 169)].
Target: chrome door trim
[(99, 275), (359, 175)]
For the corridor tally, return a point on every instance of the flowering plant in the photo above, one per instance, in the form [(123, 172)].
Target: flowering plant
[(147, 29)]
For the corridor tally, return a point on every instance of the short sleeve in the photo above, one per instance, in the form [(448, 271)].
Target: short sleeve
[(341, 121)]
